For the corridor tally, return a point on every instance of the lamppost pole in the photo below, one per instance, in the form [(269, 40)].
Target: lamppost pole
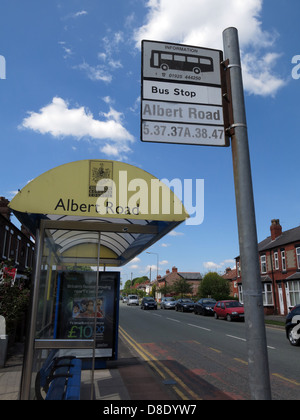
[(157, 255)]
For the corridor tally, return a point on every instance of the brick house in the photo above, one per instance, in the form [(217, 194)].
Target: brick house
[(279, 260), (172, 276), (231, 276), (16, 245)]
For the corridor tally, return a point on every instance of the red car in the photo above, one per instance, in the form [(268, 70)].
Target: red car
[(229, 309)]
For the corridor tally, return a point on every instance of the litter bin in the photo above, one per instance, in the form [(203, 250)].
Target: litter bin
[(3, 349)]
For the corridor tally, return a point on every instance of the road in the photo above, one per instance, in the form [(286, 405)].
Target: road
[(201, 358)]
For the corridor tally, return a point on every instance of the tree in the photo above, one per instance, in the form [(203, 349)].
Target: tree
[(140, 280), (153, 291), (14, 300), (213, 285), (182, 287), (165, 290)]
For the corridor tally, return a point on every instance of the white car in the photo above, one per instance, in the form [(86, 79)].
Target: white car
[(133, 300)]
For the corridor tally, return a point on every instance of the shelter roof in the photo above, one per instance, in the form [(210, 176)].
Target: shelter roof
[(130, 208)]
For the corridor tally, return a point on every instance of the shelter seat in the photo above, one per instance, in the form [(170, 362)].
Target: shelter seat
[(59, 378)]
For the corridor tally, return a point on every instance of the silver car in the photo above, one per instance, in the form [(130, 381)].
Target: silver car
[(133, 300), (168, 303)]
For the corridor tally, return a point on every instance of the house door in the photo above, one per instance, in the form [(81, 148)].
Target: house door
[(280, 295)]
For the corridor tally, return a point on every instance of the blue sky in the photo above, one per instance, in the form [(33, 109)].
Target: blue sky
[(72, 92)]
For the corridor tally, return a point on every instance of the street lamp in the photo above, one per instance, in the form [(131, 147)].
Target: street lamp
[(157, 255)]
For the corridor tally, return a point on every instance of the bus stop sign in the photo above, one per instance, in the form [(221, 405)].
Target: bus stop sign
[(182, 95)]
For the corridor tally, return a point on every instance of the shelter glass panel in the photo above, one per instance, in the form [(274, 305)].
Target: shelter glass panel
[(67, 308)]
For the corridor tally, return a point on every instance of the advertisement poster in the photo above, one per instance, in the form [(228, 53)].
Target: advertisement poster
[(79, 306)]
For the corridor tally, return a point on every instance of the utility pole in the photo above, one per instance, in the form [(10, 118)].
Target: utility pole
[(259, 376)]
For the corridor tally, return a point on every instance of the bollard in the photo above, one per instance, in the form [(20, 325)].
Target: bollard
[(3, 342)]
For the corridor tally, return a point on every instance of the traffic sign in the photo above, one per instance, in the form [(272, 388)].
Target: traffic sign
[(182, 95)]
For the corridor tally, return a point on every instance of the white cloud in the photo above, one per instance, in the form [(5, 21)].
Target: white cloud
[(212, 266), (202, 22), (173, 233), (59, 120), (95, 73), (152, 267), (68, 51), (116, 151), (82, 13), (257, 74)]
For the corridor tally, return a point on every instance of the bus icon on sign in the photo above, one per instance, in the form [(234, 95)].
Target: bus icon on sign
[(183, 62)]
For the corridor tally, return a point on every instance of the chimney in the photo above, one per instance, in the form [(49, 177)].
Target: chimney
[(228, 269), (168, 272), (276, 229), (174, 269)]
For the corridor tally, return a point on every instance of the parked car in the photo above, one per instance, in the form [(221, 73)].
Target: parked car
[(168, 303), (185, 305), (292, 326), (133, 300), (148, 303), (229, 309), (125, 299), (205, 307)]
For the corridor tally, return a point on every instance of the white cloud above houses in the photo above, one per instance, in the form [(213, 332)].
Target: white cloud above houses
[(170, 20), (213, 266)]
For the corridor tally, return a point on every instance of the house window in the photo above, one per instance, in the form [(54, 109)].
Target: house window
[(294, 292), (9, 244), (241, 294), (4, 252), (276, 259), (27, 255), (267, 294), (298, 257), (238, 269), (283, 260), (263, 262), (17, 250)]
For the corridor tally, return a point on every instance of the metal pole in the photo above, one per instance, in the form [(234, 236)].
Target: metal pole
[(259, 376), (29, 346), (95, 317)]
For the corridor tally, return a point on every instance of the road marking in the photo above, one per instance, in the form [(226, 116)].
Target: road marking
[(175, 320), (217, 351), (160, 368), (243, 339), (197, 326), (236, 338), (285, 379), (157, 315), (242, 361)]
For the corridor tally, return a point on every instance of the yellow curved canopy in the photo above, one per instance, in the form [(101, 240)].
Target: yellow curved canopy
[(130, 207)]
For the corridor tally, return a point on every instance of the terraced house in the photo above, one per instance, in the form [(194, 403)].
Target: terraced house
[(16, 245), (279, 259)]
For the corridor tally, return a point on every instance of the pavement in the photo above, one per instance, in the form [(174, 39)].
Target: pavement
[(128, 378)]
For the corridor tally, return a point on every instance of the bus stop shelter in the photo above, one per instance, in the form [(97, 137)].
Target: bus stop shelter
[(86, 216)]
